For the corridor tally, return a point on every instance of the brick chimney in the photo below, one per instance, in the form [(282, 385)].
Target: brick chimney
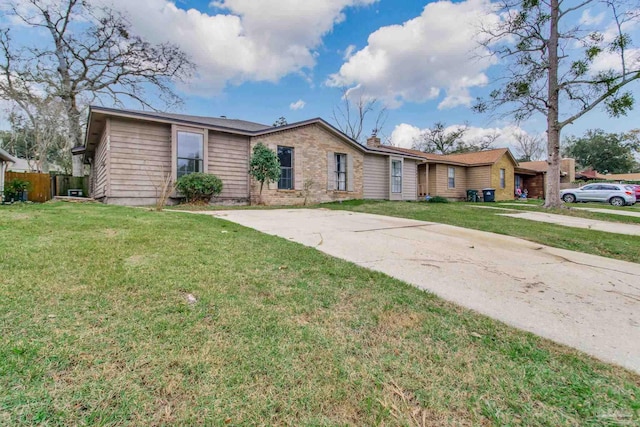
[(373, 141)]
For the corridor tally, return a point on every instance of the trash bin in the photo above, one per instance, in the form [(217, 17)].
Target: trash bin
[(472, 196), (489, 194)]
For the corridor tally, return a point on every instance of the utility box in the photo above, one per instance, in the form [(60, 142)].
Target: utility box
[(77, 192)]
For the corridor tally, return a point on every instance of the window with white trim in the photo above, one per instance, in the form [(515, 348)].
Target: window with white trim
[(190, 153), (396, 176), (451, 175), (341, 171)]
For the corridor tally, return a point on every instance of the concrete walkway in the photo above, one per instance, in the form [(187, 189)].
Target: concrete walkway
[(572, 221), (635, 213), (584, 301)]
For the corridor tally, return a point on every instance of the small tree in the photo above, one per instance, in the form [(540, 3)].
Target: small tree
[(264, 165)]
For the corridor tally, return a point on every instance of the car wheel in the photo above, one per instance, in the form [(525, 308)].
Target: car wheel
[(569, 198), (617, 201)]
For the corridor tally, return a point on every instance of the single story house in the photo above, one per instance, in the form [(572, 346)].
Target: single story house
[(131, 152), (452, 175), (5, 160), (532, 176), (26, 165)]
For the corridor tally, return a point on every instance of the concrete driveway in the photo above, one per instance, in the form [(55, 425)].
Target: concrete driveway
[(584, 301)]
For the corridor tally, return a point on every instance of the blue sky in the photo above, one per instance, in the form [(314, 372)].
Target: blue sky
[(257, 58)]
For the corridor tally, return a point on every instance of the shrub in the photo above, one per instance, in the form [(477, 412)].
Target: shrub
[(199, 187), (438, 199), (14, 188)]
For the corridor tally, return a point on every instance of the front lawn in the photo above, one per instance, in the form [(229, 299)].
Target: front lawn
[(467, 215), (120, 316)]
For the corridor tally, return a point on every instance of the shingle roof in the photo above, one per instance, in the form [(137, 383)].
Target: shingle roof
[(468, 159), (538, 166), (236, 124), (478, 157)]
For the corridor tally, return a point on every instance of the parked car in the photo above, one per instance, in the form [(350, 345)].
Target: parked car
[(616, 194), (636, 187)]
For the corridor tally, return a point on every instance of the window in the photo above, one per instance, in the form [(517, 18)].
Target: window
[(396, 176), (341, 172), (502, 183), (285, 155), (190, 153), (452, 177), (518, 182)]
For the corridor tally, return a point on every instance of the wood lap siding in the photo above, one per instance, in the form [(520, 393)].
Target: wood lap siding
[(229, 161), (409, 177), (442, 182), (140, 156), (478, 177), (100, 168), (376, 177)]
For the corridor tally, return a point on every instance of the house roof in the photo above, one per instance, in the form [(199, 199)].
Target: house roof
[(478, 158), (538, 166), (218, 122), (241, 127), (620, 176), (6, 157)]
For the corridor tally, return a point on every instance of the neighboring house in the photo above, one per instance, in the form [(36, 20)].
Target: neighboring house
[(532, 176), (452, 175), (6, 159), (590, 174), (130, 152), (25, 165)]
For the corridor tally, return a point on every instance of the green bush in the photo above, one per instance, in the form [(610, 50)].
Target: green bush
[(13, 188), (199, 187), (438, 199)]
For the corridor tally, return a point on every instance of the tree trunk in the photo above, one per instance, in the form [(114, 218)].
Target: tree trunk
[(552, 194)]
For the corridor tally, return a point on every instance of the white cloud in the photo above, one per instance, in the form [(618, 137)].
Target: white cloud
[(246, 40), (348, 52), (588, 19), (404, 134), (298, 105), (423, 57)]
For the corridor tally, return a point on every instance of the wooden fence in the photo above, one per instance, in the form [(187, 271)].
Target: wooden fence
[(40, 184)]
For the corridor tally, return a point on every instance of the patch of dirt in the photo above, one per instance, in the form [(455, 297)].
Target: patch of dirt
[(135, 260), (110, 232)]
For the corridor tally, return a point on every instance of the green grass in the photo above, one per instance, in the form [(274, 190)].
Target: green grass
[(611, 245), (95, 329)]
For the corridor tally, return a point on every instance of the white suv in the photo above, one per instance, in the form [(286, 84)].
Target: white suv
[(616, 194)]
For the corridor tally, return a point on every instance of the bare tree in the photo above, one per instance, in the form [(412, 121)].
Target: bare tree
[(552, 66), (351, 115), (528, 147), (91, 54), (441, 139), (37, 133)]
